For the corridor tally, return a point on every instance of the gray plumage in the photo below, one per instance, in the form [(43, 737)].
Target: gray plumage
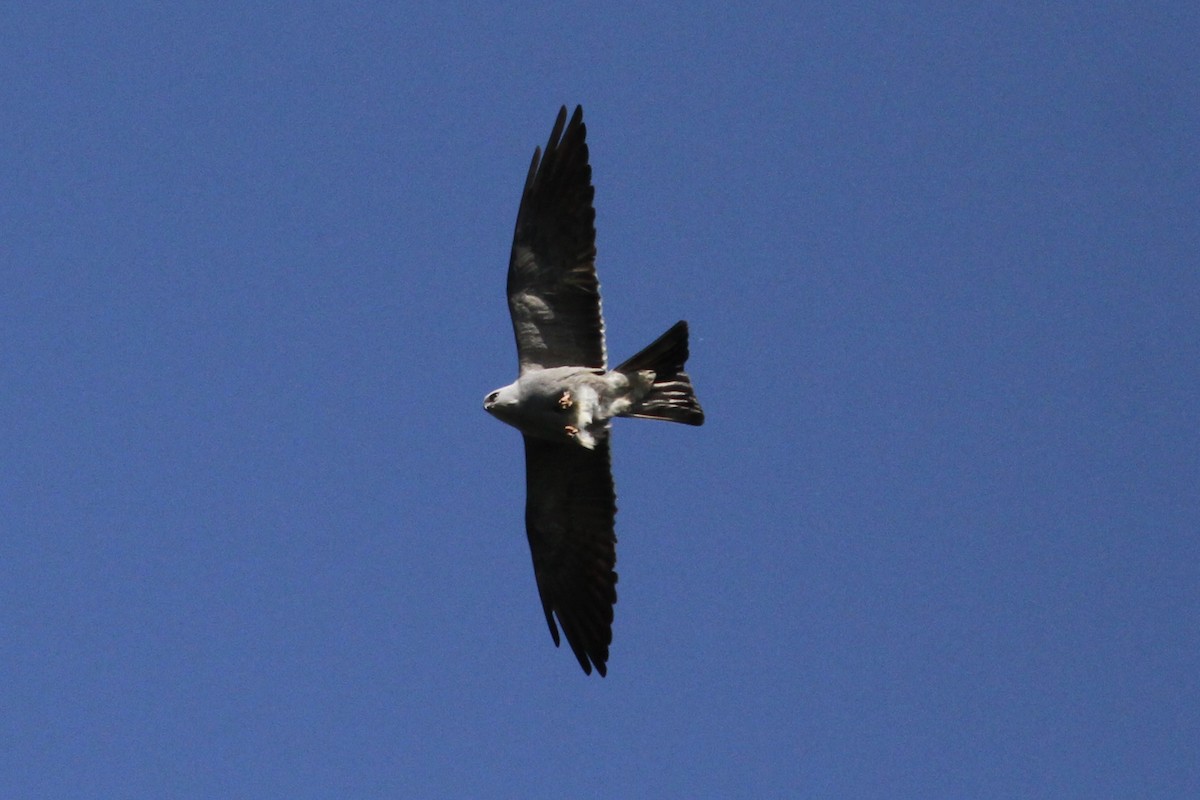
[(565, 397)]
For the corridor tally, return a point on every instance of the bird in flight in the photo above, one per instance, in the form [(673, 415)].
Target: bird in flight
[(565, 396)]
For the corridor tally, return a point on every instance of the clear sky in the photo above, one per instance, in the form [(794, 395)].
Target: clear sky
[(939, 538)]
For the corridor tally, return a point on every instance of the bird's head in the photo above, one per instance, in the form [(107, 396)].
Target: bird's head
[(502, 403)]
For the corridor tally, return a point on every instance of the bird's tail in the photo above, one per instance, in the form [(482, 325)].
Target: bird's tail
[(671, 396)]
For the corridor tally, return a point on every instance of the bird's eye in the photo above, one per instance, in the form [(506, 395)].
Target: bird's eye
[(491, 398)]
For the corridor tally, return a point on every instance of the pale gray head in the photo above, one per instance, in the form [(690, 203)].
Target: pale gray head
[(502, 403)]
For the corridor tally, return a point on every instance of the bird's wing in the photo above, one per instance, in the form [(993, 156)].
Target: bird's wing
[(553, 294), (569, 513)]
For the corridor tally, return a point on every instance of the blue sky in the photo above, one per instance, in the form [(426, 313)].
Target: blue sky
[(938, 537)]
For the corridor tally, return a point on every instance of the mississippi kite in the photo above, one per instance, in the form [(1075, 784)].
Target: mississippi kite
[(565, 396)]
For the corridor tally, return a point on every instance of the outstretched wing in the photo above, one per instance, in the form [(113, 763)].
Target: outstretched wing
[(569, 513), (553, 294)]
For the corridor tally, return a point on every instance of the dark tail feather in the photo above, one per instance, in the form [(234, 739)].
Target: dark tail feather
[(671, 397)]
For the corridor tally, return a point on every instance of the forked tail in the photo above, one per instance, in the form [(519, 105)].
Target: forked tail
[(671, 396)]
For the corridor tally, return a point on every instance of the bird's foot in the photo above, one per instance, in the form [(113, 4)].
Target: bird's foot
[(571, 430), (565, 401)]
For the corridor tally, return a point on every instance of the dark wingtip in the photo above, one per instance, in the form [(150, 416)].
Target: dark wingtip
[(556, 131), (587, 658), (533, 168), (553, 627)]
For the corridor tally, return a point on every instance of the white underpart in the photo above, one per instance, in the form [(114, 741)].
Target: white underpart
[(587, 401), (627, 390), (593, 408)]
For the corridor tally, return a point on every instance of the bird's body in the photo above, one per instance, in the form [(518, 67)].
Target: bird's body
[(565, 397), (568, 403)]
